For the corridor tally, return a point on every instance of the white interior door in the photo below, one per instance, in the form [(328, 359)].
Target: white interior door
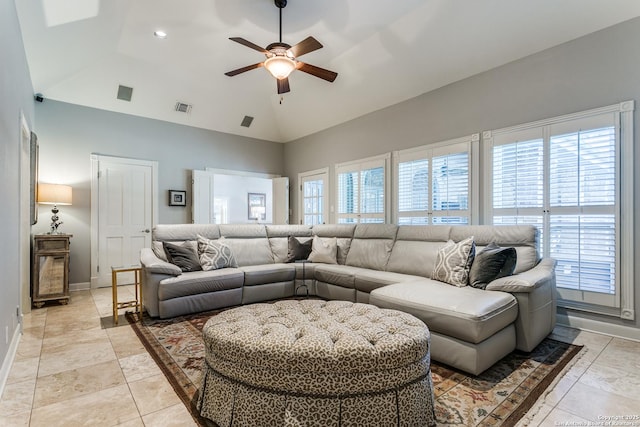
[(125, 214), (314, 188), (203, 210), (280, 200)]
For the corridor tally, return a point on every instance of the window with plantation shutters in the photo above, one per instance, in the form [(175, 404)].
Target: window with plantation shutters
[(567, 175), (433, 184), (360, 192)]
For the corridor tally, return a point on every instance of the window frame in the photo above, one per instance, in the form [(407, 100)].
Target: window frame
[(358, 166), (468, 144), (623, 304)]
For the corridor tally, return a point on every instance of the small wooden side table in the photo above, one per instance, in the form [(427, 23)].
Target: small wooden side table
[(137, 284), (50, 278)]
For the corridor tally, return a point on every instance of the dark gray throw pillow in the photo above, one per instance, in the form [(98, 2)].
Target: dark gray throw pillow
[(183, 256), (491, 263), (298, 250)]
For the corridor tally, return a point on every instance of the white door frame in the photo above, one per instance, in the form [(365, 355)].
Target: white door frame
[(327, 188), (95, 168), (25, 218)]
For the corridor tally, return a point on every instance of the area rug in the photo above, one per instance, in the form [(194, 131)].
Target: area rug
[(500, 396)]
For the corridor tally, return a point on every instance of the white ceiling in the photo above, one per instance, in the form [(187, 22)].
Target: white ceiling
[(385, 52)]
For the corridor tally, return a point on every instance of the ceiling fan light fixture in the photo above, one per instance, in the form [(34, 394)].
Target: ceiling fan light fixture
[(280, 66)]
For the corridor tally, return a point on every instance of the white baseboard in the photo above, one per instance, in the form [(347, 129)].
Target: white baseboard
[(590, 325), (9, 358), (82, 286)]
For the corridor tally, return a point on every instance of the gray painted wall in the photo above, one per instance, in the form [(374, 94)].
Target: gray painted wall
[(17, 95), (594, 71), (68, 134)]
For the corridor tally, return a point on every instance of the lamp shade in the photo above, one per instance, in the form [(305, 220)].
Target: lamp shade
[(54, 194), (280, 66)]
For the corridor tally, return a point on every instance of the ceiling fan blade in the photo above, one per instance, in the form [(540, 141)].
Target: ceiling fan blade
[(247, 43), (327, 75), (244, 69), (305, 46), (283, 85)]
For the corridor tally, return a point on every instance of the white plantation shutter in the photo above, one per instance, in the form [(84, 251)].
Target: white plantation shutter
[(433, 184), (413, 188), (563, 175), (361, 190), (518, 184), (450, 182), (582, 204), (348, 189)]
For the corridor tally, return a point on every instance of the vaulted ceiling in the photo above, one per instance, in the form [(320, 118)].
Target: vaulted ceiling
[(80, 51)]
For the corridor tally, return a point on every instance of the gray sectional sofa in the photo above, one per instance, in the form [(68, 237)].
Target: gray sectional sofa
[(386, 265)]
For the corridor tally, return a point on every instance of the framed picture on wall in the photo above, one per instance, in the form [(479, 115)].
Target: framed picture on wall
[(257, 206), (177, 198)]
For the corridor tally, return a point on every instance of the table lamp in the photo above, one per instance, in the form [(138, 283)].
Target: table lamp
[(54, 194)]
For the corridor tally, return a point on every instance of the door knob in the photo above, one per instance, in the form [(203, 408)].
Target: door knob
[(146, 231)]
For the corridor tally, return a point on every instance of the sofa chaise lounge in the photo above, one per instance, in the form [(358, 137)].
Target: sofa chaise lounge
[(385, 265)]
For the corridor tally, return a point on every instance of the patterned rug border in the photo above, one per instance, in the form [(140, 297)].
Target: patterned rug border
[(540, 389), (189, 393), (178, 380)]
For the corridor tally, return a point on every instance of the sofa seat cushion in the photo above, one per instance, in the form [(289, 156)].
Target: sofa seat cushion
[(268, 273), (200, 282), (367, 280), (336, 274), (467, 313)]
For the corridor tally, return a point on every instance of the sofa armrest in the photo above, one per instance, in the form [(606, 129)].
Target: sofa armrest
[(535, 291), (154, 270), (528, 280), (153, 264)]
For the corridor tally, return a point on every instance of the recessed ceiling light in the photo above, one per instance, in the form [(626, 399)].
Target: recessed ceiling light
[(160, 34)]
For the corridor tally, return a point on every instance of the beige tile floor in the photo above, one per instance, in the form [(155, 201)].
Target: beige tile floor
[(74, 368)]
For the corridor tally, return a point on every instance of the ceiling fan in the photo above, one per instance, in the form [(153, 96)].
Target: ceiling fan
[(282, 58)]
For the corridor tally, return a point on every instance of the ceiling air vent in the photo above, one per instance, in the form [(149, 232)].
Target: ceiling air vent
[(181, 107), (246, 122), (124, 93)]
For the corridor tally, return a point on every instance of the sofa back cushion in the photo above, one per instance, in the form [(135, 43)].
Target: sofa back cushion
[(179, 234), (416, 248), (524, 238), (248, 242), (182, 232), (371, 246), (343, 234), (278, 238)]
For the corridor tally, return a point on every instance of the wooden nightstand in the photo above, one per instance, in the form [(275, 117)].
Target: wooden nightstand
[(50, 268)]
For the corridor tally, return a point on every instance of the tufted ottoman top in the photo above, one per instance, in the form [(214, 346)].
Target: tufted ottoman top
[(323, 336)]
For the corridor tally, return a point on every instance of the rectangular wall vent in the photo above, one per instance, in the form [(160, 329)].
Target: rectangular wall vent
[(181, 107), (246, 122), (125, 93)]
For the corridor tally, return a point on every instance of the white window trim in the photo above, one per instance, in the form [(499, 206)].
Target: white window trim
[(359, 165), (626, 193), (470, 143)]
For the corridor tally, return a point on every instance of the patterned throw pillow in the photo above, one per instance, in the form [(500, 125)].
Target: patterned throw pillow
[(214, 254), (454, 261), (491, 263), (324, 250)]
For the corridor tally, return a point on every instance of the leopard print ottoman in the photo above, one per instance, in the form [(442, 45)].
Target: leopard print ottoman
[(316, 363)]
